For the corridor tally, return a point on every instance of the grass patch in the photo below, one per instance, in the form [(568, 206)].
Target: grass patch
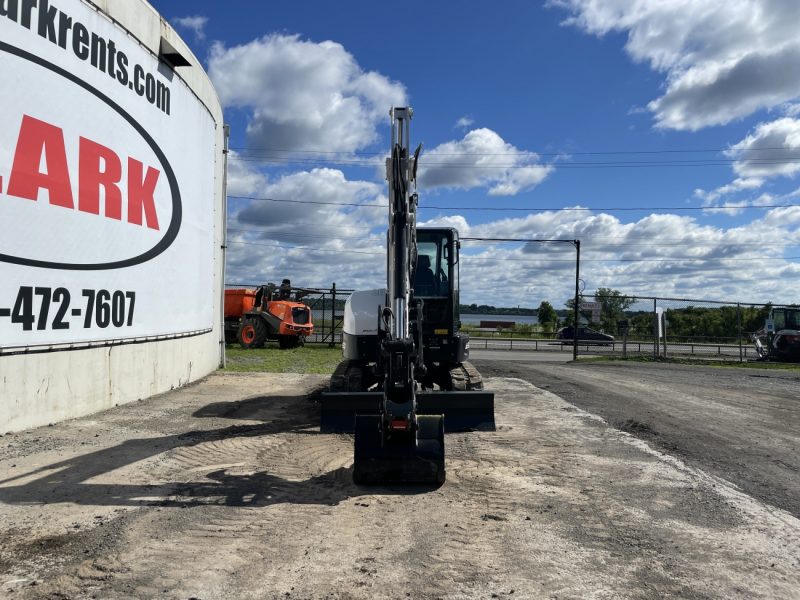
[(731, 364), (315, 359)]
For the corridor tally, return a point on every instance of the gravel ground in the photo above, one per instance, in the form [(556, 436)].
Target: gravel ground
[(227, 489)]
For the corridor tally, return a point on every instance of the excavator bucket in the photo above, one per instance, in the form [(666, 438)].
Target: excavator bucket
[(463, 410), (401, 457)]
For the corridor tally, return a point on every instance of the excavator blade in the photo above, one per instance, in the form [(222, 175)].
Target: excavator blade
[(401, 457), (463, 410), (338, 410)]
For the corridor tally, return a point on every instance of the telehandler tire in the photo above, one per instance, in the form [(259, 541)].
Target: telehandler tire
[(252, 333)]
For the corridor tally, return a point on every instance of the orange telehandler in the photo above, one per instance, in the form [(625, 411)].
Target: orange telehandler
[(252, 316)]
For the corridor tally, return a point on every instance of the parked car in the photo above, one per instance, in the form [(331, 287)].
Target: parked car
[(585, 336)]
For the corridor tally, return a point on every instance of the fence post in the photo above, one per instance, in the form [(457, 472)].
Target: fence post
[(655, 328), (577, 300), (319, 332), (739, 329), (332, 343), (664, 331), (625, 343)]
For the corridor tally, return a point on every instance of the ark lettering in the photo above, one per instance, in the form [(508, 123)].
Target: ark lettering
[(40, 163)]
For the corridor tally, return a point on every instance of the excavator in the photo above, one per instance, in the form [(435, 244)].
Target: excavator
[(404, 379), (779, 338)]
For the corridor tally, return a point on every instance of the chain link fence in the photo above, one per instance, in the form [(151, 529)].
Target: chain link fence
[(610, 324), (668, 327), (327, 309)]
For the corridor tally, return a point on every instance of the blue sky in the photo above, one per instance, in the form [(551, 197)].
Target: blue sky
[(653, 116)]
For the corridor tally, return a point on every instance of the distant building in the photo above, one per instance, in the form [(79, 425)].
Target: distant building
[(497, 324)]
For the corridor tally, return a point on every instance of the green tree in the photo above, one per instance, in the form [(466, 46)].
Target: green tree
[(547, 317), (613, 305), (584, 315)]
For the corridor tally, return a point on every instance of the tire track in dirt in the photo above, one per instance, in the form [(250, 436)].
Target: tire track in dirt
[(236, 490)]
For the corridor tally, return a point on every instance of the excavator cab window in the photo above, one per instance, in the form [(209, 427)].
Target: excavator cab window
[(431, 274)]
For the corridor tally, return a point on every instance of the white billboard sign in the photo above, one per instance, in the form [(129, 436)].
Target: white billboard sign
[(106, 184)]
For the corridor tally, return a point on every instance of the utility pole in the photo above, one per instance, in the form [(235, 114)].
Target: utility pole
[(577, 244)]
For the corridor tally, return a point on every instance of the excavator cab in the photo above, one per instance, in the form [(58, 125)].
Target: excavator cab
[(435, 284), (779, 338)]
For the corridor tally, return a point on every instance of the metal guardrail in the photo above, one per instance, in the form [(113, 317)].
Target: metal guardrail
[(716, 350)]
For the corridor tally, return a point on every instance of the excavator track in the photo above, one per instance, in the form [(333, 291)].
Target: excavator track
[(465, 377), (348, 377)]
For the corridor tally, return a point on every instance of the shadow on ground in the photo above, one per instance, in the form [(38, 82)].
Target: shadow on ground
[(80, 479)]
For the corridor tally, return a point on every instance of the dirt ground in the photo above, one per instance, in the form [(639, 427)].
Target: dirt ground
[(226, 489), (740, 424)]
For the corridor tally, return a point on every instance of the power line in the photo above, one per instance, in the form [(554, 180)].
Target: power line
[(757, 160), (635, 260), (319, 202), (315, 249), (526, 209), (718, 162), (523, 152), (548, 260), (587, 248)]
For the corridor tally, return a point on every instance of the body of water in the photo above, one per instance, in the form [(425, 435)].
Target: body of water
[(518, 319), (468, 319)]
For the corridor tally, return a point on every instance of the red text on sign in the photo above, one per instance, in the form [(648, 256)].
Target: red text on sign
[(99, 168)]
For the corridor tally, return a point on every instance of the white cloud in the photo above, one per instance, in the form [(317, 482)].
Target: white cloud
[(312, 244), (791, 109), (464, 123), (723, 59), (302, 94), (663, 255), (243, 179), (196, 24), (457, 222), (737, 185), (325, 221), (772, 149), (481, 159), (716, 94)]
